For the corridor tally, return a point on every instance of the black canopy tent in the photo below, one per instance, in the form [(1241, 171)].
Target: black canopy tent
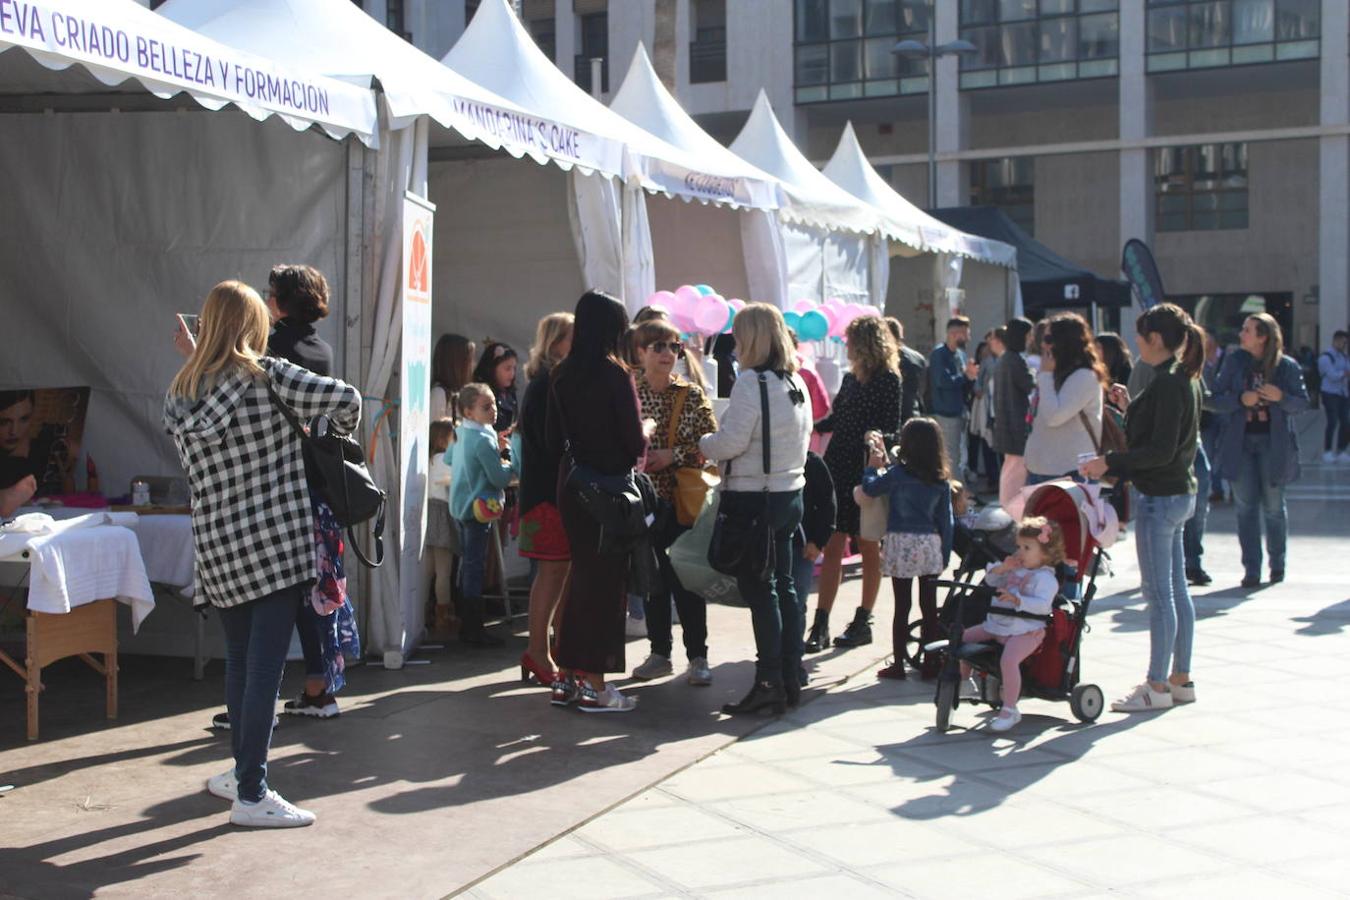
[(1049, 281)]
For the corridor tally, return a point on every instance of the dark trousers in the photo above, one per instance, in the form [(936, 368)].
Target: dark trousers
[(693, 609), (903, 589), (309, 625), (257, 636), (1193, 535), (1338, 418), (473, 544), (774, 612)]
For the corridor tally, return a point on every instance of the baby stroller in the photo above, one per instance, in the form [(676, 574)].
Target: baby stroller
[(1053, 671)]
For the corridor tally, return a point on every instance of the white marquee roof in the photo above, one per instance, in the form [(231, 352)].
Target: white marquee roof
[(904, 221), (120, 40)]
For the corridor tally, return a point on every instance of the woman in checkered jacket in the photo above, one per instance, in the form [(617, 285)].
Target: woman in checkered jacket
[(252, 522)]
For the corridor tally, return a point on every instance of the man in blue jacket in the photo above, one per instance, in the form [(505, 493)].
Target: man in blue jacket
[(949, 373)]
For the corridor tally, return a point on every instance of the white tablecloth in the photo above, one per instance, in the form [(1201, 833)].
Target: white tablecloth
[(166, 543), (79, 561)]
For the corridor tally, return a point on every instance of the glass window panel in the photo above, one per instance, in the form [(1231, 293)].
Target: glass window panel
[(813, 64), (913, 16), (1017, 44), (1210, 24), (845, 18), (1057, 72), (1232, 200), (987, 46), (1234, 219), (812, 94), (1253, 21), (1012, 10), (1059, 39), (813, 20), (1099, 36), (1166, 62), (886, 88), (979, 12), (1171, 222), (1298, 20), (1297, 50), (1056, 7), (878, 60), (845, 91), (1024, 75), (1092, 6), (1204, 220), (914, 85), (880, 17), (1166, 30), (979, 79), (1206, 58), (1173, 204), (1097, 68), (846, 61), (1257, 53)]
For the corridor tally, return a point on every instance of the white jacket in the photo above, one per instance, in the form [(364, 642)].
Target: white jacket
[(739, 440), (1057, 433)]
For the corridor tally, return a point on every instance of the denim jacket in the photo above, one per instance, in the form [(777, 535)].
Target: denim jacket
[(916, 507), (1282, 462)]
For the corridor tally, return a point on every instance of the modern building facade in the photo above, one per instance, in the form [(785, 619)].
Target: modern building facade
[(1218, 131)]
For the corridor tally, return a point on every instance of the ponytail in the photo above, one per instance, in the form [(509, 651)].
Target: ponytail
[(1193, 356)]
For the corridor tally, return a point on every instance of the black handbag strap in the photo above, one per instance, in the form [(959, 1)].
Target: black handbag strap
[(286, 411), (764, 430)]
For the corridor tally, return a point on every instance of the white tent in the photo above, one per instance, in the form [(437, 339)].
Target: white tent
[(698, 242), (981, 272), (831, 241), (607, 219)]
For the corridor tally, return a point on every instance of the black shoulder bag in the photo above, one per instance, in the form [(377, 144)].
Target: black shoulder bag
[(336, 466), (742, 538)]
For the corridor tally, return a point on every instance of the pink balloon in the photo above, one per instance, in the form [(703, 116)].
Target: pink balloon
[(804, 305), (711, 316), (663, 299), (737, 303), (835, 302), (831, 316)]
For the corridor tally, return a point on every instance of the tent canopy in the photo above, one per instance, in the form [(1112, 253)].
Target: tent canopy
[(903, 221), (808, 196), (343, 42), (644, 100), (117, 41), (1049, 281), (497, 53)]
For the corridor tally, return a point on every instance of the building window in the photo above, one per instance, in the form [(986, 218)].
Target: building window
[(1198, 34), (393, 18), (843, 48), (470, 7), (708, 49), (1223, 314), (1201, 188), (545, 34), (1026, 41), (1009, 184), (594, 43)]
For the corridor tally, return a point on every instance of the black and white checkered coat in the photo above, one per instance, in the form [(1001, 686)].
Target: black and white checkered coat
[(252, 524)]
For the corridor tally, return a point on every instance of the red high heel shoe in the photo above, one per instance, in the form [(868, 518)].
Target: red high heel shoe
[(529, 667)]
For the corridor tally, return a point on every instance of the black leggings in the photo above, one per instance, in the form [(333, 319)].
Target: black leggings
[(903, 589)]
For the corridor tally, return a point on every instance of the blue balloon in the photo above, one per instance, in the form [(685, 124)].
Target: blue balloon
[(704, 289), (794, 321), (814, 326)]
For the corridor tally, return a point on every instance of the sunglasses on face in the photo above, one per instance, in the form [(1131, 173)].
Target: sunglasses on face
[(676, 347)]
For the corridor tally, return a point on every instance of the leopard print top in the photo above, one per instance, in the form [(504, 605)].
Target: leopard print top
[(696, 420)]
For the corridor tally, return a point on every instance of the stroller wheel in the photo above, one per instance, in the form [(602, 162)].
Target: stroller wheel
[(914, 643), (946, 700), (1087, 702)]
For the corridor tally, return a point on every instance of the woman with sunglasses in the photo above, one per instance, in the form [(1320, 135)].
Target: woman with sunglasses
[(660, 391), (1067, 421)]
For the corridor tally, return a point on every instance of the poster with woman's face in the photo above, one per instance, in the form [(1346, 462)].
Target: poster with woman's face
[(40, 434)]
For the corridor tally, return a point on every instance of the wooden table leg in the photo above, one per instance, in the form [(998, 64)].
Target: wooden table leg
[(83, 630)]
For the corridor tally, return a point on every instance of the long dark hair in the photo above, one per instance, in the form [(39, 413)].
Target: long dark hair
[(1071, 342), (923, 451), (1015, 334), (452, 363), (494, 353), (1177, 330), (598, 333), (1116, 356)]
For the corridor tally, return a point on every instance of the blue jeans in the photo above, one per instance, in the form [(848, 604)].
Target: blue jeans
[(473, 543), (774, 611), (1158, 523), (1209, 439), (257, 636), (1257, 500), (1193, 536)]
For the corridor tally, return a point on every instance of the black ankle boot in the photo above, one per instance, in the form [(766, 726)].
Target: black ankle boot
[(471, 629), (858, 632), (792, 693), (819, 638), (764, 695)]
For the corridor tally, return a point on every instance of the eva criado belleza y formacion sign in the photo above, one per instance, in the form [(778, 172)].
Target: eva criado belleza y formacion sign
[(70, 30)]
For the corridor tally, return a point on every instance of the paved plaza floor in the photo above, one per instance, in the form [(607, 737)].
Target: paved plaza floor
[(453, 778)]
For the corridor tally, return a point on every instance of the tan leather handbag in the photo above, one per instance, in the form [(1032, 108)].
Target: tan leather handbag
[(691, 483)]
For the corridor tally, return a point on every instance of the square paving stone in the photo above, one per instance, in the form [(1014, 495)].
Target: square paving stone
[(842, 886), (724, 863), (639, 828), (1007, 878), (1124, 860), (582, 879)]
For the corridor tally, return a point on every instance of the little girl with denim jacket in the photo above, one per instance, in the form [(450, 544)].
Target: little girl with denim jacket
[(919, 525)]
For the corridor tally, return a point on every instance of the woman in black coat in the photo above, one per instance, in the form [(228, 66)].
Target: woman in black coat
[(1013, 383)]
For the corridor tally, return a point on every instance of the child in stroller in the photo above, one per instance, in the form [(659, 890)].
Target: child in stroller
[(1025, 581)]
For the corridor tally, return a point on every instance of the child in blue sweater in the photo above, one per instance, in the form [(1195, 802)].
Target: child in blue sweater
[(482, 465)]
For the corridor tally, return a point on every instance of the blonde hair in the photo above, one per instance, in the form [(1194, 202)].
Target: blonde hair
[(442, 434), (1053, 545), (871, 349), (552, 330), (471, 393), (763, 340), (1268, 328), (232, 338)]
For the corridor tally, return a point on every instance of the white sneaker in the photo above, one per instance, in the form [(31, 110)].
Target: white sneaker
[(608, 700), (654, 666), (635, 627), (970, 689), (1343, 457), (1329, 457), (1143, 699), (1182, 693), (272, 811), (225, 785), (1006, 719), (698, 673)]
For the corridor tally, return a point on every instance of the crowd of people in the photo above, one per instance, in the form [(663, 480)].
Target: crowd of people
[(605, 462)]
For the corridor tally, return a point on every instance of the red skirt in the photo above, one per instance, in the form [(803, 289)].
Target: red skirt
[(542, 535)]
